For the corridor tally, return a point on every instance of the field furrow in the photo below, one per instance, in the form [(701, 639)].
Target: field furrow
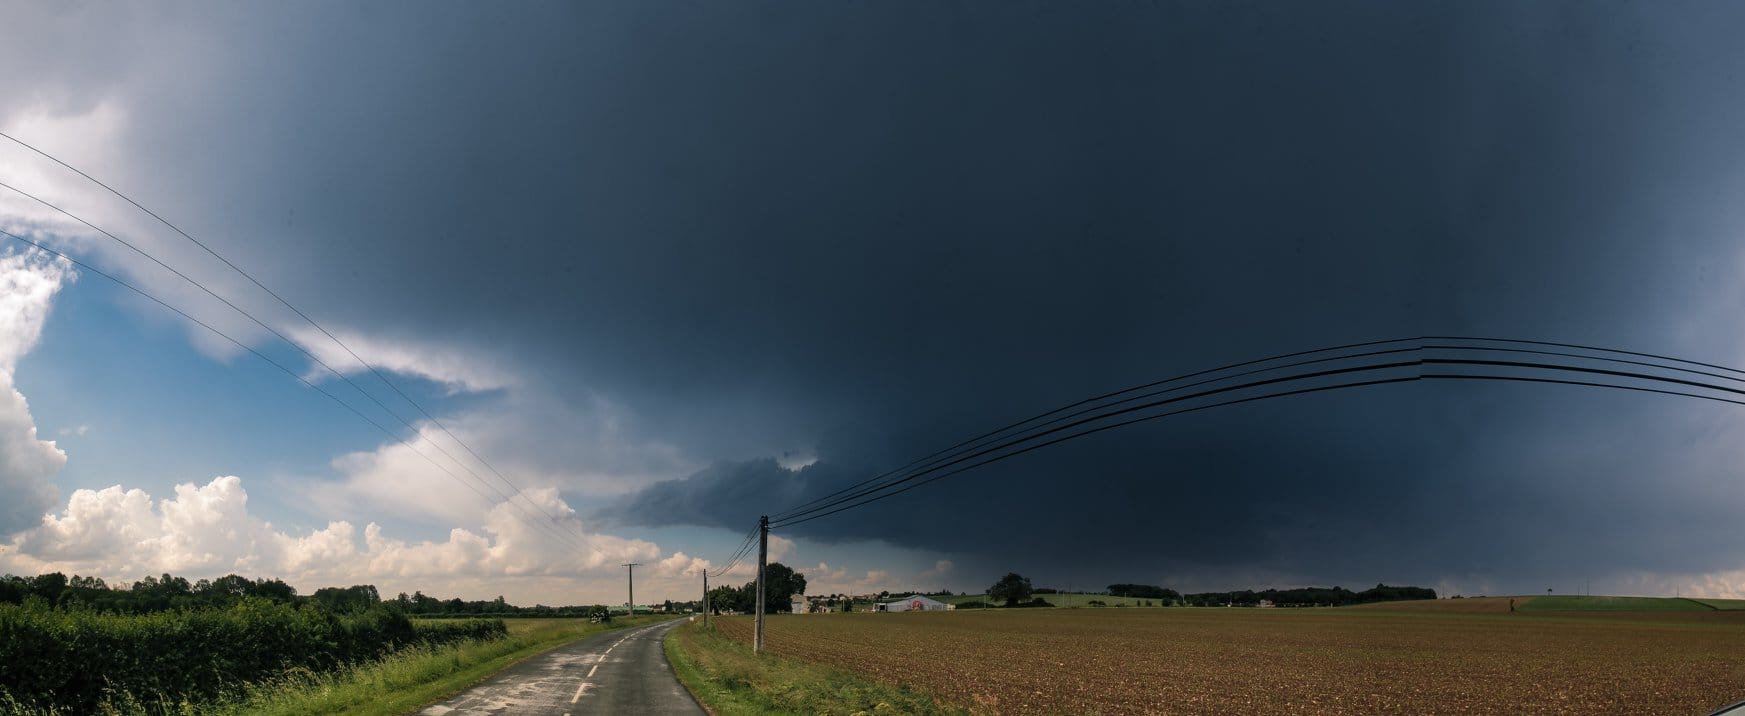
[(1111, 661)]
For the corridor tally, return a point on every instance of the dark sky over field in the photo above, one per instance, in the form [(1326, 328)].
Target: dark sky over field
[(859, 232)]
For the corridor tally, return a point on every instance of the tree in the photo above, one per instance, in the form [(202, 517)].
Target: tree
[(780, 584), (355, 598), (234, 586), (49, 586), (1011, 589), (729, 599)]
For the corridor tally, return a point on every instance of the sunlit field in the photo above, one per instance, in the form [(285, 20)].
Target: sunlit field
[(1468, 656)]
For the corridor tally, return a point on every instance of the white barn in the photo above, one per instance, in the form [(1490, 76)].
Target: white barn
[(914, 603)]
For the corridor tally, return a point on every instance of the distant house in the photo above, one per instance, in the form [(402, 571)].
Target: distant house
[(913, 603), (799, 605)]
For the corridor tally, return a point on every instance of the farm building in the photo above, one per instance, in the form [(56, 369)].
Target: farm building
[(913, 603)]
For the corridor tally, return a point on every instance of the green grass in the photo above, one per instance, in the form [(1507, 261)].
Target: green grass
[(1723, 605), (411, 679), (1575, 603), (730, 680)]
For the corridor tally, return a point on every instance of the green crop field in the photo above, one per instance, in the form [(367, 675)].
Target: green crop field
[(80, 660), (1434, 656), (1578, 603), (1723, 604)]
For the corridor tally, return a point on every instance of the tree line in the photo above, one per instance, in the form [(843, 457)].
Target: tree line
[(168, 592), (1309, 596), (1014, 590), (1299, 597)]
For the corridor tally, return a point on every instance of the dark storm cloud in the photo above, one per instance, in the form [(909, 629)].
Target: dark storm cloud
[(1166, 192), (872, 230)]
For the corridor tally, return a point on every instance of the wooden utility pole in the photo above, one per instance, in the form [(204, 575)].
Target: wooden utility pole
[(632, 567), (762, 561), (705, 597)]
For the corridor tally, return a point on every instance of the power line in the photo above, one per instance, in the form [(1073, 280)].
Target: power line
[(508, 498), (310, 320), (238, 344), (950, 452), (1086, 401), (1591, 348), (744, 549), (283, 368), (792, 514), (791, 519), (942, 455), (869, 495)]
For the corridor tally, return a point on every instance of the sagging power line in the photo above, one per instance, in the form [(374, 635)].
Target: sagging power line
[(573, 537), (562, 537), (1017, 434), (300, 314)]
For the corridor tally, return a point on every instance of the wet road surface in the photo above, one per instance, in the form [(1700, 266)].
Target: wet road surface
[(618, 672)]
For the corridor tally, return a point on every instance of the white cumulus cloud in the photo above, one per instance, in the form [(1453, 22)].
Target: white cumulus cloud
[(28, 284), (781, 548), (207, 531)]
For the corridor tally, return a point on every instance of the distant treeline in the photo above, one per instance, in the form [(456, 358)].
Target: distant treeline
[(1144, 591), (156, 594), (1302, 597), (1308, 596)]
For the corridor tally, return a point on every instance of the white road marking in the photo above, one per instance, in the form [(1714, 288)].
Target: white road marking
[(591, 671), (579, 690)]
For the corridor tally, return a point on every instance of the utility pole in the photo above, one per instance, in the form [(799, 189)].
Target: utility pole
[(705, 598), (762, 561), (632, 566)]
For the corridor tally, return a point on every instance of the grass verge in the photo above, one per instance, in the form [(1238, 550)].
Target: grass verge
[(412, 678), (728, 679)]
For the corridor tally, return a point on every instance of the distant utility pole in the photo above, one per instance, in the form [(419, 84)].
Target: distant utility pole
[(762, 561), (705, 597), (632, 566)]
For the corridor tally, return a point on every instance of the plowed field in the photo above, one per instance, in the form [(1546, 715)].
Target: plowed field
[(1129, 661)]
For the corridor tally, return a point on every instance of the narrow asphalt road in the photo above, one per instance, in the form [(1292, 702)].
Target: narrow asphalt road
[(618, 672)]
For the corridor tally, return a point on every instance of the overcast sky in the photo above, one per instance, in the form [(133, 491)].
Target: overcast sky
[(669, 266)]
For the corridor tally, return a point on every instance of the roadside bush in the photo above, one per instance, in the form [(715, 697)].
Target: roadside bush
[(72, 659)]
